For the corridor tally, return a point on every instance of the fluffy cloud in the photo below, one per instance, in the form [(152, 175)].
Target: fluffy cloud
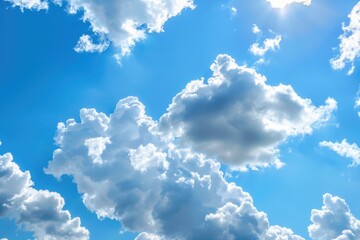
[(124, 23), (284, 3), (349, 42), (239, 119), (30, 4), (334, 221), (121, 22), (344, 149), (38, 211), (150, 185)]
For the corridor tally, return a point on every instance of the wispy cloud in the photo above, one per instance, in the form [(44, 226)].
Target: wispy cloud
[(268, 44), (349, 48), (344, 149)]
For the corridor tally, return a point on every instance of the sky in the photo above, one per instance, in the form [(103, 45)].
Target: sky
[(179, 119)]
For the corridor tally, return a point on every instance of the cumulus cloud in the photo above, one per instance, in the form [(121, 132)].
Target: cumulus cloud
[(30, 4), (334, 221), (237, 118), (38, 211), (124, 23), (151, 185), (120, 22), (349, 48), (344, 149), (284, 3)]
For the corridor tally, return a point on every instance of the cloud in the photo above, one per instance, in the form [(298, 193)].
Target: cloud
[(120, 22), (334, 221), (151, 185), (267, 45), (30, 4), (233, 11), (284, 3), (38, 211), (255, 29), (237, 118), (85, 44), (357, 103), (349, 42), (124, 23), (344, 149), (147, 236)]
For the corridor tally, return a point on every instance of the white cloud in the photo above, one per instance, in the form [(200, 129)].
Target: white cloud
[(357, 103), (38, 211), (147, 156), (284, 3), (280, 233), (85, 44), (30, 4), (345, 149), (120, 22), (349, 42), (147, 236), (152, 186), (237, 118), (255, 29), (334, 221), (226, 222), (124, 23), (268, 44), (233, 11), (96, 147)]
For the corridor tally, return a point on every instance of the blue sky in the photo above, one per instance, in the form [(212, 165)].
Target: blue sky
[(44, 81)]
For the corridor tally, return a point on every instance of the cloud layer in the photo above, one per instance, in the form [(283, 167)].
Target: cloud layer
[(334, 221), (344, 149), (120, 22), (284, 3), (239, 119), (127, 173), (38, 211), (349, 48)]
